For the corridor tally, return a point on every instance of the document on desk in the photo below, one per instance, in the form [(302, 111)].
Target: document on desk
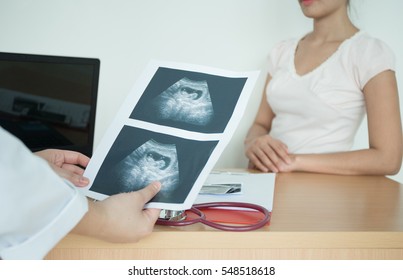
[(172, 128), (256, 188)]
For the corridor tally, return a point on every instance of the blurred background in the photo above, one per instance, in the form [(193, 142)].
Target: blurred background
[(228, 34)]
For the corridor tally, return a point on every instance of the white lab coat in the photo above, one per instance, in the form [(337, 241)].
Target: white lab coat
[(37, 207)]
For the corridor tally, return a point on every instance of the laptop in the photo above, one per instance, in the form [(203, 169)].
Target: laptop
[(49, 101)]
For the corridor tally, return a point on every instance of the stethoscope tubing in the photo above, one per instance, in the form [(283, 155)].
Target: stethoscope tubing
[(196, 209)]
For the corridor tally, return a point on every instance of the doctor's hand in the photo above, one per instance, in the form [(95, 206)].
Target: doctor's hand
[(267, 154), (121, 217), (67, 164)]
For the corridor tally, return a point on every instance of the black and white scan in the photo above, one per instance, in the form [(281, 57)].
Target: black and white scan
[(139, 157), (150, 162), (187, 101), (169, 131)]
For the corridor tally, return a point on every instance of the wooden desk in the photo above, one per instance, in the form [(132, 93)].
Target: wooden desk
[(314, 217)]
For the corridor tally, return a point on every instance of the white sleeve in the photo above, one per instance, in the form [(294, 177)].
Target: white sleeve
[(373, 57), (37, 208)]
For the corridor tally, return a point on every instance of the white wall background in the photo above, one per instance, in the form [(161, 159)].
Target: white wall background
[(125, 34)]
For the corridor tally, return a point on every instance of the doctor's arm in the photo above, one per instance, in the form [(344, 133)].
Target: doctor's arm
[(121, 217)]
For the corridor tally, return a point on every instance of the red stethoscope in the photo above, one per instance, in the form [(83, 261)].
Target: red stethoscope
[(180, 218)]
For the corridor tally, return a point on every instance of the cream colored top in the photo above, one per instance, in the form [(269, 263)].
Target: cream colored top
[(320, 112)]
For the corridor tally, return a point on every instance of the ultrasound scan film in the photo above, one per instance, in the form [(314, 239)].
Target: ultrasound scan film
[(150, 162), (186, 101), (172, 128), (139, 157), (189, 100)]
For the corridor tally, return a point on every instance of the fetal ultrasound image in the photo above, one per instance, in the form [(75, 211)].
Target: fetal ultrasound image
[(189, 100), (138, 157), (186, 101), (150, 162)]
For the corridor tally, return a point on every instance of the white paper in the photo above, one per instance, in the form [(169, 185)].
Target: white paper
[(172, 128), (257, 188)]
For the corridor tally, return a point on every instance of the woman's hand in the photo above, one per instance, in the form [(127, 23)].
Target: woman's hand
[(267, 154), (67, 164)]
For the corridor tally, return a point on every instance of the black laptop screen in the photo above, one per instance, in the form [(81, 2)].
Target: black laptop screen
[(49, 101)]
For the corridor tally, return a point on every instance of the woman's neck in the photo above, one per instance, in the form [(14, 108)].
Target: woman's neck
[(334, 27)]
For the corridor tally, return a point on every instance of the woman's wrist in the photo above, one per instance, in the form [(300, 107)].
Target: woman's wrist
[(295, 164)]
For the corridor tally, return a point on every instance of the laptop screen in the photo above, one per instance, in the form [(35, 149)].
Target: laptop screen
[(49, 101)]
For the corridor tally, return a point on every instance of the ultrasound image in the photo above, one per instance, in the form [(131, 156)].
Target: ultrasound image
[(186, 101), (150, 162), (189, 100)]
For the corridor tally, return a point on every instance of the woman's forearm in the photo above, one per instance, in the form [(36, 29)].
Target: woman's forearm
[(360, 162), (255, 131)]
